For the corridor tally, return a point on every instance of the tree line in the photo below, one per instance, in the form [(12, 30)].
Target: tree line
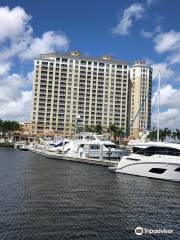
[(116, 132), (7, 127), (112, 130), (164, 133)]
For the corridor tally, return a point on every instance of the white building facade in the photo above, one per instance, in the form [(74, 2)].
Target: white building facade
[(69, 85)]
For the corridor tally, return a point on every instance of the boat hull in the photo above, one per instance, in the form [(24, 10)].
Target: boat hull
[(153, 169)]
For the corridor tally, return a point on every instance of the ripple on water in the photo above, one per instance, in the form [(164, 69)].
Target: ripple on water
[(43, 199)]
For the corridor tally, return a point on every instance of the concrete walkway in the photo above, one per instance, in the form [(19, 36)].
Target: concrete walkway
[(54, 155)]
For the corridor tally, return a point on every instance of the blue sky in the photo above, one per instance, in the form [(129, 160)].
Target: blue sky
[(88, 24), (126, 29)]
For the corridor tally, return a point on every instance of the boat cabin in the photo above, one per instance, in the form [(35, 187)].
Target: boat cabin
[(157, 150)]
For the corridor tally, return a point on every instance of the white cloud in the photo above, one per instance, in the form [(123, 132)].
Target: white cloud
[(11, 87), (165, 42), (168, 119), (177, 79), (13, 22), (48, 43), (21, 42), (18, 44), (174, 58), (30, 76), (15, 101), (165, 70), (169, 97), (169, 100), (169, 41), (18, 109), (133, 12), (4, 68), (150, 2), (146, 34)]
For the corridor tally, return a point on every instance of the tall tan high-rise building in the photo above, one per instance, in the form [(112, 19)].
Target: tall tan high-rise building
[(70, 85), (140, 98)]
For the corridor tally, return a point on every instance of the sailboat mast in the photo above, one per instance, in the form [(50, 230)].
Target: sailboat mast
[(158, 106)]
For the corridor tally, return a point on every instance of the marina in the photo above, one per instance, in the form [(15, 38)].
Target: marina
[(145, 158), (84, 147), (90, 120)]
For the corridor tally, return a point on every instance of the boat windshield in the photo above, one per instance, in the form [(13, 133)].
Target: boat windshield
[(110, 146), (149, 151)]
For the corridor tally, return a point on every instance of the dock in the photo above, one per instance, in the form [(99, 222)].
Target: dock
[(6, 144), (54, 155)]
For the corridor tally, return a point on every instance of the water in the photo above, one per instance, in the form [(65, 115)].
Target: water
[(46, 199)]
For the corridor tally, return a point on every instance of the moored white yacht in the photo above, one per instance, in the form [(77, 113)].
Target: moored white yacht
[(57, 146), (154, 160), (158, 160), (48, 144), (84, 145), (90, 145)]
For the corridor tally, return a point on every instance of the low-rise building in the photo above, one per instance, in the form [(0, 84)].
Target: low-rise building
[(25, 127)]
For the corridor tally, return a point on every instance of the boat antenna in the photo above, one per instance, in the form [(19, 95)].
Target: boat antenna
[(158, 105)]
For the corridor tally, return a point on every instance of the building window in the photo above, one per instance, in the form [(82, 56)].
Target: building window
[(64, 60)]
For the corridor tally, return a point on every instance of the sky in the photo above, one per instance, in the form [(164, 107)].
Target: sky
[(128, 30)]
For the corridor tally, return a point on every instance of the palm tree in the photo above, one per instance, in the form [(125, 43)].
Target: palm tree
[(112, 130), (174, 135), (153, 134), (89, 128), (164, 133), (1, 124), (116, 132), (120, 134), (178, 134), (7, 127), (98, 129)]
